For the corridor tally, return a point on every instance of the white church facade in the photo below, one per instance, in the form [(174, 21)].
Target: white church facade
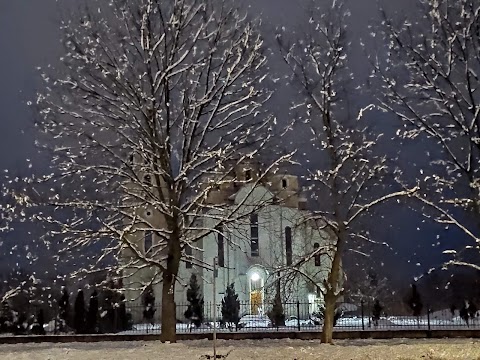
[(270, 237)]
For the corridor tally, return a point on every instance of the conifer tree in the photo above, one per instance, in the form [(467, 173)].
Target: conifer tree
[(194, 311), (122, 314), (92, 313), (277, 315), (6, 317), (376, 312), (472, 310), (20, 324), (149, 303), (79, 317), (453, 309), (231, 306), (464, 313), (37, 326), (64, 308), (415, 302)]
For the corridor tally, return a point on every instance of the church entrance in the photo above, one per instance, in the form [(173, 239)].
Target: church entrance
[(256, 293), (256, 301)]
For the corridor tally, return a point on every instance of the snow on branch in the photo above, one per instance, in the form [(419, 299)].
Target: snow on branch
[(429, 80), (155, 109)]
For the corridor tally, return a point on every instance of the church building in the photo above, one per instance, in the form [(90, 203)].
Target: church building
[(271, 240)]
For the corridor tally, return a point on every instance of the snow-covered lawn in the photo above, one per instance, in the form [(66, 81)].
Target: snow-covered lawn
[(405, 349)]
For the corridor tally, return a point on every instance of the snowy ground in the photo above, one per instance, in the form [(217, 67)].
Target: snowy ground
[(285, 349)]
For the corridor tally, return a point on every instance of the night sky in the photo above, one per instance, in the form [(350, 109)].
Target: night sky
[(29, 37)]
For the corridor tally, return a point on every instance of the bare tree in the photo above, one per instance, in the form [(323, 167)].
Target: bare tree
[(152, 98), (429, 80), (347, 177)]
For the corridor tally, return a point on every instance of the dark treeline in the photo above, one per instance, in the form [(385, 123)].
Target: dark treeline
[(98, 311)]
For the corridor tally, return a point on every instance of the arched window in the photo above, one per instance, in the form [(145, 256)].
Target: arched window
[(220, 246), (254, 234), (288, 245), (316, 256)]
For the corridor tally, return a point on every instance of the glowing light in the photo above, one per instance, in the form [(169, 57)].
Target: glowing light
[(255, 276)]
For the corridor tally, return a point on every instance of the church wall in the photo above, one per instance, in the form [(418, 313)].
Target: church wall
[(272, 222)]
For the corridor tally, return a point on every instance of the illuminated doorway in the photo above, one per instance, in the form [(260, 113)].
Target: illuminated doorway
[(256, 293)]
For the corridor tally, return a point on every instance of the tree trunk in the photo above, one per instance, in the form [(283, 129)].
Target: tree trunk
[(328, 319), (169, 318), (169, 313), (169, 276)]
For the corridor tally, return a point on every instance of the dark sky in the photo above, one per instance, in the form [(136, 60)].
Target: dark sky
[(29, 37)]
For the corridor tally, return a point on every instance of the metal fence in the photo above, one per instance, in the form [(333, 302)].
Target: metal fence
[(298, 316), (292, 316)]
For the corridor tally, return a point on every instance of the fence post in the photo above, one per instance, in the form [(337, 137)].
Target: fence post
[(55, 315), (428, 317), (115, 317), (215, 263), (362, 312), (298, 315)]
